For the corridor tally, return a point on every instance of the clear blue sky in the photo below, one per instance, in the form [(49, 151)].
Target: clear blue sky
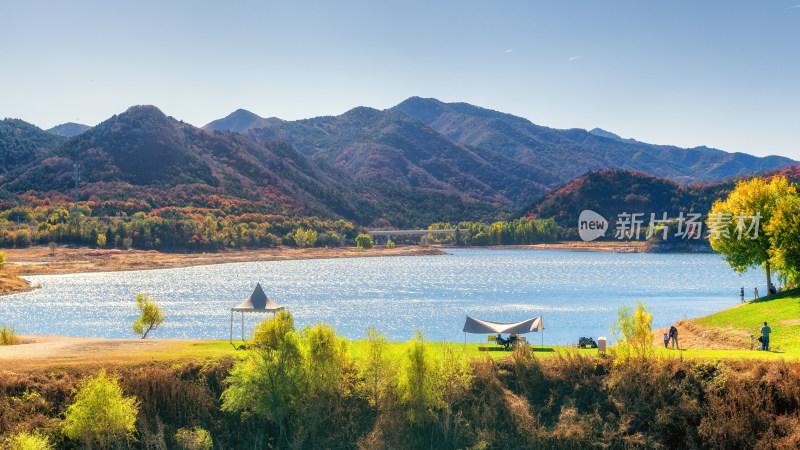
[(717, 73)]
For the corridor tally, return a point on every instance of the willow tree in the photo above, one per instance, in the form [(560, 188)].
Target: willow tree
[(738, 224), (151, 316)]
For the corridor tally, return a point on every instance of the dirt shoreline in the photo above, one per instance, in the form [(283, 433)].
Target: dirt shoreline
[(41, 261)]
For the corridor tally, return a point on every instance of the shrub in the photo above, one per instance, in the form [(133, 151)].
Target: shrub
[(101, 415), (300, 237), (305, 238), (2, 260), (420, 381), (194, 439), (364, 241), (27, 441), (634, 330), (390, 245), (294, 380), (376, 368), (8, 335), (325, 359)]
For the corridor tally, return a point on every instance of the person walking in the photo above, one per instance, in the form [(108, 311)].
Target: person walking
[(666, 340), (765, 331), (755, 292), (741, 294), (673, 334)]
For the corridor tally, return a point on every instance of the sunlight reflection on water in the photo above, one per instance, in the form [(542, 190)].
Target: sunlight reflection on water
[(576, 293)]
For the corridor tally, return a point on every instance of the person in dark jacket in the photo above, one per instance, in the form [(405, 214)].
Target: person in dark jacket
[(765, 331), (500, 341), (673, 335)]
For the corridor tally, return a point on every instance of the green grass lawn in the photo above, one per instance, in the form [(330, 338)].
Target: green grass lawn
[(355, 349), (396, 350), (727, 354), (780, 311)]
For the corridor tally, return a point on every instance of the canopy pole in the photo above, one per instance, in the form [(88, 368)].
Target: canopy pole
[(242, 327)]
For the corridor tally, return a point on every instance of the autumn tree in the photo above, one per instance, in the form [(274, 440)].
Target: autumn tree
[(151, 316), (738, 224), (784, 234)]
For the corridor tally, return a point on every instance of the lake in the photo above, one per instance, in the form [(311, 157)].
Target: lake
[(576, 293)]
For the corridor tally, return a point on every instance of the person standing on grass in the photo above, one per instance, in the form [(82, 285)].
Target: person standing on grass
[(755, 292), (741, 294), (765, 331), (673, 334), (666, 340)]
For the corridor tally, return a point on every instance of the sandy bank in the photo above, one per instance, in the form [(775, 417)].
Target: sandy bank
[(40, 260)]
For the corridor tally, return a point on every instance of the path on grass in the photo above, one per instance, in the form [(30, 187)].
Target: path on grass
[(46, 351)]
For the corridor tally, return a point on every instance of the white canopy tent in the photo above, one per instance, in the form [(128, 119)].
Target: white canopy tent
[(257, 302), (478, 326)]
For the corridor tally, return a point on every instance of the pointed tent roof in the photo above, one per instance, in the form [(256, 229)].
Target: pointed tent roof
[(258, 302), (479, 326)]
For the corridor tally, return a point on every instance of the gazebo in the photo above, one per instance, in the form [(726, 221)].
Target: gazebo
[(257, 302)]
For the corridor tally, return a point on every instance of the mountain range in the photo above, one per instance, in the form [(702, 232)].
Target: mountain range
[(419, 162)]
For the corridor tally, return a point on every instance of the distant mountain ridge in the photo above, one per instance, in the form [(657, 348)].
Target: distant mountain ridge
[(144, 147), (240, 121), (390, 147), (69, 129), (142, 152), (573, 152), (607, 134), (420, 162)]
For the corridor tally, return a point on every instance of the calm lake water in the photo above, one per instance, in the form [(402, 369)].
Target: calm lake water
[(576, 293)]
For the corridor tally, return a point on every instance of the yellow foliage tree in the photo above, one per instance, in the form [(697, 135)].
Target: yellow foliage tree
[(152, 316), (751, 198), (784, 233), (634, 330)]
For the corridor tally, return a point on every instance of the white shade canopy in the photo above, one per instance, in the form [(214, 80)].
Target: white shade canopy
[(258, 302), (479, 326)]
